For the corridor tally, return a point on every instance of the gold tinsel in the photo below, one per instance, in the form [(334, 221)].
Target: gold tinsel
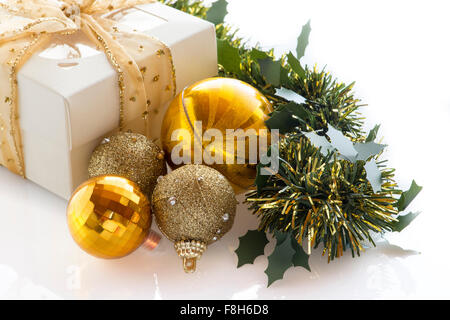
[(132, 156)]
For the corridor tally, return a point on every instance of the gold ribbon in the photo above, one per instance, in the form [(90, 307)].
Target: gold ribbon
[(27, 26)]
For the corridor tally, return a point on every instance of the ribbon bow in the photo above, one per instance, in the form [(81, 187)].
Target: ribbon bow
[(27, 26)]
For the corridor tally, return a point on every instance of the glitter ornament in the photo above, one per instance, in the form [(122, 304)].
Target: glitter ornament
[(194, 206), (219, 104), (132, 156), (109, 217)]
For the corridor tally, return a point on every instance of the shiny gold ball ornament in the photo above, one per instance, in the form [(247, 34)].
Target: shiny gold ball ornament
[(109, 217), (194, 206), (198, 120), (130, 155)]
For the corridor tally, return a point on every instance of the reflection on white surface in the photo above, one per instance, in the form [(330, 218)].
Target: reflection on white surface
[(157, 291), (247, 294), (73, 281), (8, 276), (401, 67), (44, 253), (30, 291), (14, 287)]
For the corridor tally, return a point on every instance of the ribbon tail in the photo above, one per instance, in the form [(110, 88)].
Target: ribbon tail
[(13, 55), (155, 62), (132, 94)]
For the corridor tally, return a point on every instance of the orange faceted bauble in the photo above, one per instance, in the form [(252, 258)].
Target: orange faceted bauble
[(109, 217), (218, 122)]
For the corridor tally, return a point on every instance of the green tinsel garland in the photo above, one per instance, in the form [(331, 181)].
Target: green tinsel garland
[(319, 197), (324, 199)]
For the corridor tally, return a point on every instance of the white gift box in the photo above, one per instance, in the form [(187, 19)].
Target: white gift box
[(68, 105)]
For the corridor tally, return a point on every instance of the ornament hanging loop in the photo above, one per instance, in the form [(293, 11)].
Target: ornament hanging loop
[(189, 265), (190, 251)]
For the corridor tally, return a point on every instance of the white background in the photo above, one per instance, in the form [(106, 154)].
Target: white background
[(399, 54)]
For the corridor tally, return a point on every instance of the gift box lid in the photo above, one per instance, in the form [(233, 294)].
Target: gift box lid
[(59, 87)]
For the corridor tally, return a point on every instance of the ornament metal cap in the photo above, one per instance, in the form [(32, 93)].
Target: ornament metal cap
[(190, 251), (152, 240)]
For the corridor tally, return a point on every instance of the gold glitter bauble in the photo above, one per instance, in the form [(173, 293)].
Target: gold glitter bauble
[(221, 104), (194, 206), (132, 156), (109, 217)]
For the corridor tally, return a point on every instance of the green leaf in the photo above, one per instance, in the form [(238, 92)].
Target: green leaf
[(404, 221), (373, 133), (347, 149), (290, 95), (228, 57), (251, 245), (285, 79), (407, 197), (303, 40), (281, 236), (343, 144), (261, 180), (351, 152), (368, 149), (216, 14), (294, 63), (300, 258), (283, 117), (373, 175), (256, 54), (319, 142), (271, 70), (279, 261)]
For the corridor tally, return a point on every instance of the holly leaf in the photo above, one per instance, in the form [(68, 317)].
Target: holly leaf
[(256, 54), (368, 150), (290, 95), (303, 40), (351, 152), (271, 70), (280, 236), (228, 57), (261, 180), (404, 221), (408, 196), (288, 116), (294, 63), (343, 144), (300, 258), (346, 148), (285, 79), (251, 246), (373, 133), (373, 175), (216, 14), (279, 261), (320, 142)]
